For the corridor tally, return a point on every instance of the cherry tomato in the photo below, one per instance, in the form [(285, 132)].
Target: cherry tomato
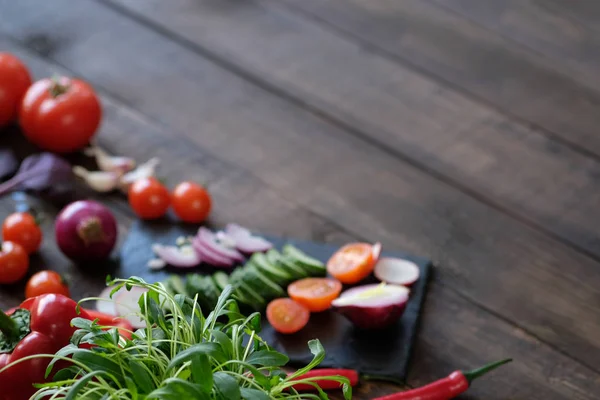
[(352, 263), (14, 81), (316, 294), (60, 115), (149, 198), (191, 202), (45, 282), (14, 262), (287, 316), (22, 228)]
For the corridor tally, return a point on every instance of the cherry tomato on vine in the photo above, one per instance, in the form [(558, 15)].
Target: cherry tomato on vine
[(45, 282), (287, 316), (191, 202), (14, 81), (14, 262), (149, 198), (316, 294), (60, 115), (23, 229)]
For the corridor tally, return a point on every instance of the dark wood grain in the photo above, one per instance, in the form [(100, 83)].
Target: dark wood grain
[(469, 144), (443, 340), (584, 11), (490, 258), (471, 58)]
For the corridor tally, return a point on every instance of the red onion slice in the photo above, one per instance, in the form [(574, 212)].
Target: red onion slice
[(182, 257), (209, 256), (397, 271), (127, 306), (245, 241), (210, 241)]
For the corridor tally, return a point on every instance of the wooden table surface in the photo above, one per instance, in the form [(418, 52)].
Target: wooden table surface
[(461, 130)]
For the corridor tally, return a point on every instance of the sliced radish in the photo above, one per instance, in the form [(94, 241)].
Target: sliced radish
[(210, 241), (372, 306), (376, 251), (210, 257), (107, 306), (183, 257), (397, 271), (245, 241), (127, 306)]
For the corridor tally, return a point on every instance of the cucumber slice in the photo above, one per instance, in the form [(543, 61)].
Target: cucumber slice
[(256, 300), (175, 285), (273, 256), (221, 280), (211, 292), (194, 285), (293, 268), (261, 283), (313, 266), (276, 274)]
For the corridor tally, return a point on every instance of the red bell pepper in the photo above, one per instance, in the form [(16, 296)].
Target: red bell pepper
[(41, 325)]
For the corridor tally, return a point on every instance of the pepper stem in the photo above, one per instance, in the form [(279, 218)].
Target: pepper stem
[(8, 326), (477, 373)]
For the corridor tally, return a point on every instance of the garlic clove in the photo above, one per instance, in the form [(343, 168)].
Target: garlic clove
[(109, 163), (146, 170), (99, 181)]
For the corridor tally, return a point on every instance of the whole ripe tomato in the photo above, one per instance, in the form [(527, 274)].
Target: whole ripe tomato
[(191, 202), (23, 229), (14, 262), (45, 282), (60, 115), (14, 81), (149, 198)]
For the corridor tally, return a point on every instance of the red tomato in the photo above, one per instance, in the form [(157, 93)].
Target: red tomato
[(191, 202), (45, 282), (287, 316), (316, 294), (148, 198), (14, 262), (14, 81), (60, 115), (352, 263), (22, 228)]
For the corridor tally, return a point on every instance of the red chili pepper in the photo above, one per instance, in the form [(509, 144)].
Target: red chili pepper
[(123, 326), (447, 388), (325, 384), (41, 325)]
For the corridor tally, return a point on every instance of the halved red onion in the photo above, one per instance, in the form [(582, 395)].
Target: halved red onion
[(397, 271), (373, 306), (108, 305), (245, 241), (127, 306), (209, 256), (182, 257), (210, 241)]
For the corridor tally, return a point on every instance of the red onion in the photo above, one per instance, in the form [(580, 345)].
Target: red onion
[(210, 257), (86, 231), (182, 257), (209, 239), (245, 241)]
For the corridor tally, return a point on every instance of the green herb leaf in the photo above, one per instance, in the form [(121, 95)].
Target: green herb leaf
[(347, 390), (202, 371), (98, 362), (253, 394), (131, 387), (224, 341), (227, 386), (141, 376), (178, 389), (81, 323), (209, 349), (267, 358), (64, 352), (81, 383), (66, 373)]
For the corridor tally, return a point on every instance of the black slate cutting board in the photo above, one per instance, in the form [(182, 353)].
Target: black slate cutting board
[(384, 353)]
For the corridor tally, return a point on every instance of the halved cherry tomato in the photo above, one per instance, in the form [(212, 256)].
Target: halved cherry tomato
[(22, 228), (14, 262), (316, 294), (149, 198), (352, 263), (14, 81), (191, 202), (287, 316), (60, 115), (44, 282)]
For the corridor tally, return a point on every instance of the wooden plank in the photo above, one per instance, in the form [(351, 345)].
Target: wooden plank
[(473, 146), (470, 58), (455, 333), (569, 46), (586, 12), (319, 166)]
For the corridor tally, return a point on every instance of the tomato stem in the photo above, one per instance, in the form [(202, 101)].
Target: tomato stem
[(57, 87)]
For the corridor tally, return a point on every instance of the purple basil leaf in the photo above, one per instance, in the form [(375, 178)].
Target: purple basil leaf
[(8, 163), (40, 172)]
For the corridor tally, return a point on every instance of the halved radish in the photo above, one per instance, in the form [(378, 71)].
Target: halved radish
[(397, 271), (183, 257), (127, 306), (107, 306), (372, 306)]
